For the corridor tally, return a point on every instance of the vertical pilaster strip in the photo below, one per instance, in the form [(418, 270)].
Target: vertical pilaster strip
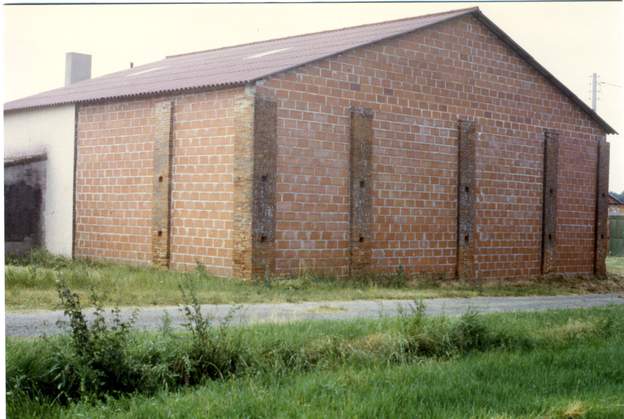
[(264, 172), (243, 171), (602, 208), (161, 196), (549, 206), (466, 183), (361, 200)]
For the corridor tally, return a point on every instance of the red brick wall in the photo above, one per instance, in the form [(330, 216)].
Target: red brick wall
[(202, 190), (114, 180), (418, 86)]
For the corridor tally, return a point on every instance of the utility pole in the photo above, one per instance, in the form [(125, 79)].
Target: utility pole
[(594, 90)]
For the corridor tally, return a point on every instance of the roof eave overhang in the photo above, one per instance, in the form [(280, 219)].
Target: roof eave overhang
[(185, 90), (473, 11)]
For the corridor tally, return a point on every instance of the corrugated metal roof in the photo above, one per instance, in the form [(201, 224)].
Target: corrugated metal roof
[(245, 63), (227, 66)]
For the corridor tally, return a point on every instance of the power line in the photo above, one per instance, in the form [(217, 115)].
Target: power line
[(610, 84), (595, 89)]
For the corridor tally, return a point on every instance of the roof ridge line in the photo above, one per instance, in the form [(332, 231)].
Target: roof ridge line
[(466, 10)]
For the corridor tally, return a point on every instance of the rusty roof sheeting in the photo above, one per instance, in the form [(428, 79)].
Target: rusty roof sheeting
[(236, 65), (227, 66)]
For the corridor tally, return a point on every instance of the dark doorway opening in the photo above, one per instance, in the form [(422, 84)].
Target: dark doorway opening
[(24, 189)]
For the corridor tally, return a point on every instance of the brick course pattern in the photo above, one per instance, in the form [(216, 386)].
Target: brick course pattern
[(114, 165), (115, 177), (418, 86), (162, 185), (243, 172)]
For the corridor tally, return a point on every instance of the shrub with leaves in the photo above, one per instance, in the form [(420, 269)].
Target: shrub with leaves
[(100, 349)]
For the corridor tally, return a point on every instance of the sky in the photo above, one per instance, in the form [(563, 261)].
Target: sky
[(572, 40)]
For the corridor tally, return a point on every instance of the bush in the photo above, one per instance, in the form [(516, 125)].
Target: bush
[(100, 351), (101, 360), (443, 337), (88, 365)]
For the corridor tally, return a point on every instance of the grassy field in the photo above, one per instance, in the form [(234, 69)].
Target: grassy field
[(30, 283), (615, 265), (573, 383), (558, 364)]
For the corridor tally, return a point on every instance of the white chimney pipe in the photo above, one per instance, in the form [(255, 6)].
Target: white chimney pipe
[(77, 67)]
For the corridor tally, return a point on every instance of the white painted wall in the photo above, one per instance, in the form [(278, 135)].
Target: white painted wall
[(49, 130)]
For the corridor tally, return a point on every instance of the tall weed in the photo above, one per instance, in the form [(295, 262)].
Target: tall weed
[(442, 337), (100, 349), (215, 351)]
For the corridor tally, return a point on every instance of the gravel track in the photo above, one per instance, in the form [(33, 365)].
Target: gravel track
[(44, 322)]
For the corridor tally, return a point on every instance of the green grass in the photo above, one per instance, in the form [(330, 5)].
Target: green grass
[(558, 364), (615, 265), (578, 382), (30, 283)]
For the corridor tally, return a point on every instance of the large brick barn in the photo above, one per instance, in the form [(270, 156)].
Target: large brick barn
[(432, 144)]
